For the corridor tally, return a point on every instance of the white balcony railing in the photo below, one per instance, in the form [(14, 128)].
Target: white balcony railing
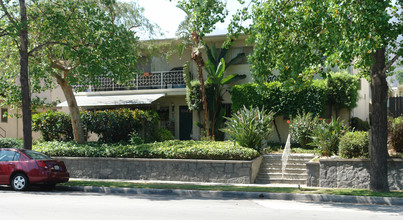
[(154, 80)]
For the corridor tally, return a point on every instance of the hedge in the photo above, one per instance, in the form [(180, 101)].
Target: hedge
[(173, 149), (340, 90), (280, 98), (110, 125)]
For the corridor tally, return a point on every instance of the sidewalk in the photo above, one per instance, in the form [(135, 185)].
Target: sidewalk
[(230, 194)]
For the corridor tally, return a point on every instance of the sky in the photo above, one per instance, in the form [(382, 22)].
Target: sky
[(168, 16)]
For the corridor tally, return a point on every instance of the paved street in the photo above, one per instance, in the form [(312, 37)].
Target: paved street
[(79, 205)]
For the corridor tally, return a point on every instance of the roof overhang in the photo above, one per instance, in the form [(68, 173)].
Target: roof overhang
[(113, 100)]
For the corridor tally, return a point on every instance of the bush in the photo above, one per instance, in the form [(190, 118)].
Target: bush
[(164, 135), (135, 138), (280, 97), (342, 90), (359, 125), (116, 125), (301, 128), (249, 127), (396, 134), (354, 145), (53, 125), (326, 136), (174, 149), (11, 143)]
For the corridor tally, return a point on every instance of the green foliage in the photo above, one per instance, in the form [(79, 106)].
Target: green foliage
[(326, 136), (342, 90), (281, 98), (135, 138), (202, 15), (53, 125), (164, 135), (249, 127), (116, 125), (359, 125), (396, 134), (193, 96), (109, 125), (354, 144), (291, 37), (11, 143), (302, 126), (173, 149)]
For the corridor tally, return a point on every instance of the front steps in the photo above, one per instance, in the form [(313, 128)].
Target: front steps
[(295, 172)]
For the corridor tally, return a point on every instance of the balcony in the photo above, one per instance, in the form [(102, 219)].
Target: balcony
[(154, 80)]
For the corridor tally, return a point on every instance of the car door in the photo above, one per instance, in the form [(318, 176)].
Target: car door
[(8, 162)]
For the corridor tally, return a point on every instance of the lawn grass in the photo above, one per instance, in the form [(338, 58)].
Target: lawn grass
[(353, 192)]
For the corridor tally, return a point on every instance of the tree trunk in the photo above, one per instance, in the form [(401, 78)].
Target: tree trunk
[(278, 133), (78, 130), (378, 143), (203, 90), (24, 79)]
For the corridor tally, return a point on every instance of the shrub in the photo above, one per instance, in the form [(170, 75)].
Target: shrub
[(359, 125), (302, 126), (326, 136), (164, 135), (174, 149), (396, 134), (135, 138), (193, 96), (115, 125), (280, 97), (342, 90), (249, 127), (354, 145), (53, 125), (11, 143)]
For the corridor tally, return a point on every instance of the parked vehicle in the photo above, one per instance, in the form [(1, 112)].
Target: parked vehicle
[(20, 168)]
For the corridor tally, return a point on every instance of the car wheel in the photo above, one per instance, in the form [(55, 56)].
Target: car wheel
[(19, 182)]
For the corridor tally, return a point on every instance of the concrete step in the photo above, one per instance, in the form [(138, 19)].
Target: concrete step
[(278, 170), (279, 181), (279, 166), (292, 176)]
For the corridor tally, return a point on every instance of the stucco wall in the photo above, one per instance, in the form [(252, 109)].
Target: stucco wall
[(219, 171), (350, 173)]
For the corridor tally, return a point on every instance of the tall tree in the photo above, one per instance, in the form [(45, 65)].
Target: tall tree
[(302, 38), (77, 42), (12, 26), (202, 15)]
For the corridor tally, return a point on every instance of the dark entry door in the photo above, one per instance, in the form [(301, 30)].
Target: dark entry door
[(185, 123)]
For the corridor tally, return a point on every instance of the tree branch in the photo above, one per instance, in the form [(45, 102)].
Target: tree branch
[(6, 12), (3, 33), (390, 63), (43, 45)]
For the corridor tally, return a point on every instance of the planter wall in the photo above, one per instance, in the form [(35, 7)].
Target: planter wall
[(219, 171), (350, 173)]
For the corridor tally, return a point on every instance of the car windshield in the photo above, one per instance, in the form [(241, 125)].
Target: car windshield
[(36, 155)]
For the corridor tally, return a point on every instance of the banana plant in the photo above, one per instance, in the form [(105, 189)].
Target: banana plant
[(216, 81)]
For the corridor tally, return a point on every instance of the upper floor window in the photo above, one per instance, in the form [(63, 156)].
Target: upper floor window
[(4, 116)]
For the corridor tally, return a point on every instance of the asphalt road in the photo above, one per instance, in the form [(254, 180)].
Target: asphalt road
[(79, 205)]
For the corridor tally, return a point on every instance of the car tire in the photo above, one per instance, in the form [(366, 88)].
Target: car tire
[(19, 182)]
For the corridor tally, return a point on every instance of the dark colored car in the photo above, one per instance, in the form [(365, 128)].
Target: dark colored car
[(20, 168)]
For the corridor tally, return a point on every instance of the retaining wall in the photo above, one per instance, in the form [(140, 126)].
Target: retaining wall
[(350, 173), (218, 171)]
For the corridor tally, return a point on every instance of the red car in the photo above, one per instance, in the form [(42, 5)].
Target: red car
[(20, 168)]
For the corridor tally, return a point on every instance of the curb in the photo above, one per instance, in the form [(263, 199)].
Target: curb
[(369, 200)]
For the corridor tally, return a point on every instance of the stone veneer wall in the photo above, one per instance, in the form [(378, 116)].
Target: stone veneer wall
[(219, 171), (350, 173)]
